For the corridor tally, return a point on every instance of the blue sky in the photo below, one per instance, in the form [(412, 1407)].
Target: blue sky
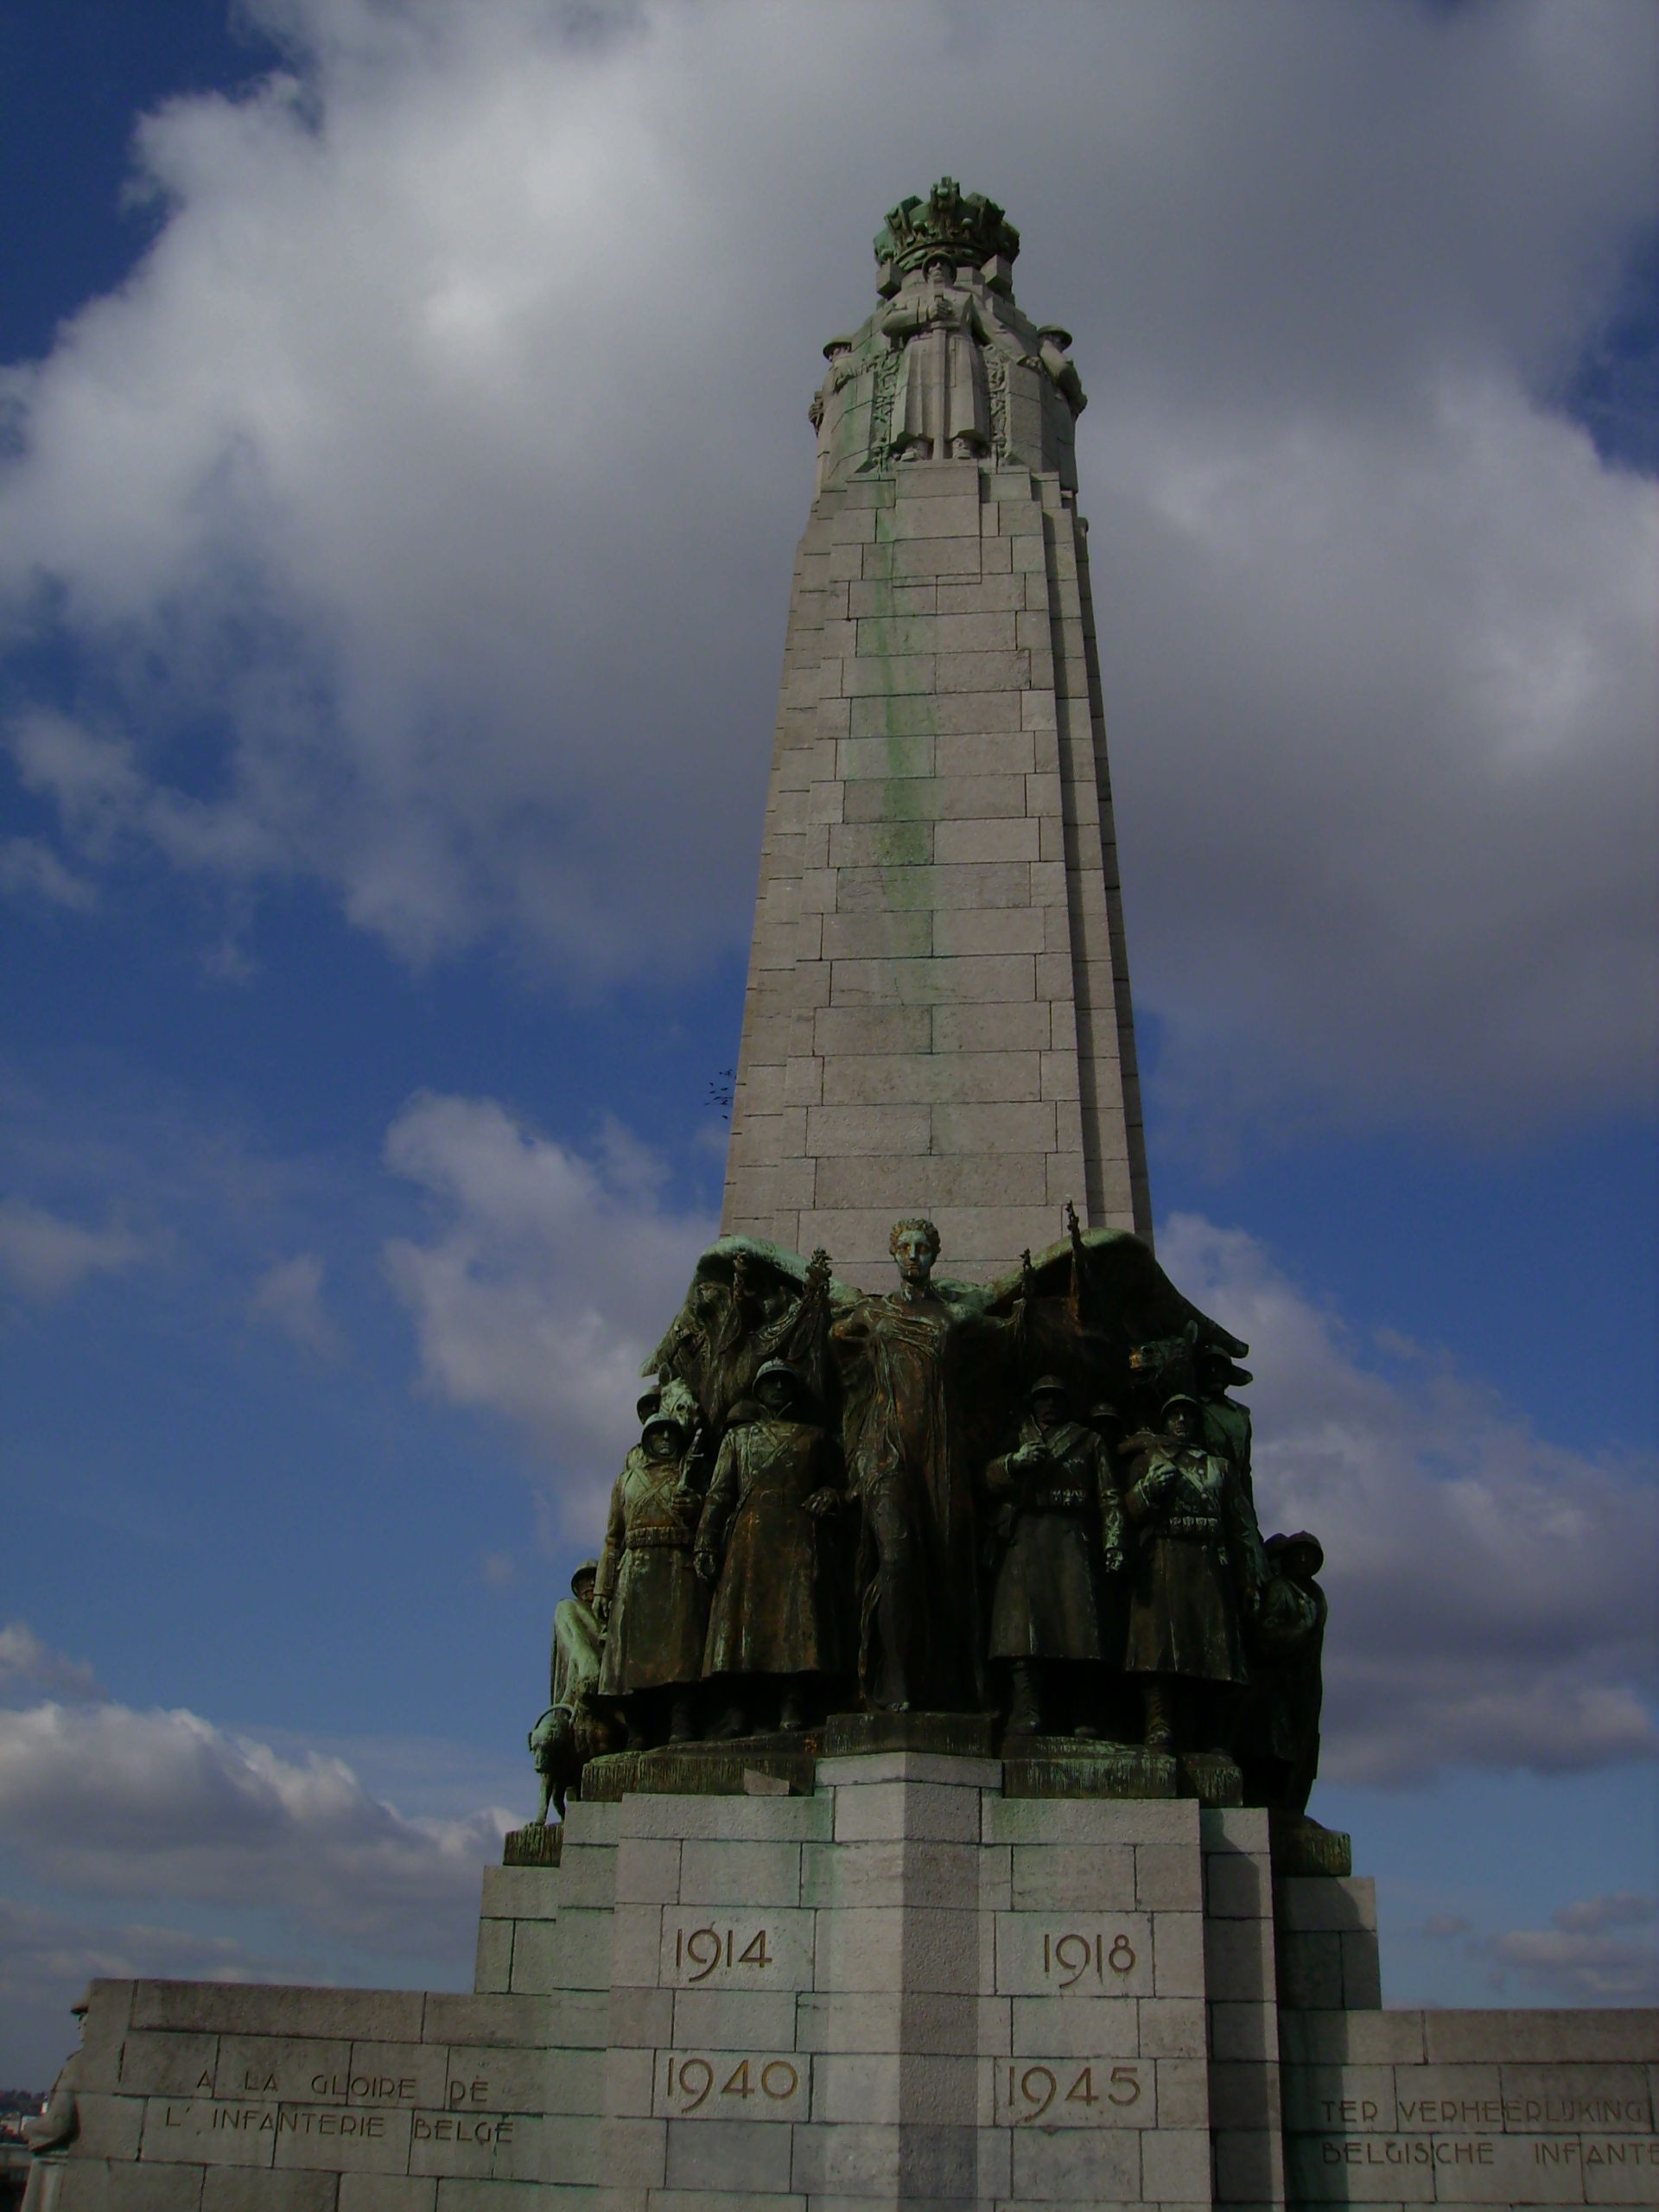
[(406, 443)]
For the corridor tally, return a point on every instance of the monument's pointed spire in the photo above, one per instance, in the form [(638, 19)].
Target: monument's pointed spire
[(938, 1007)]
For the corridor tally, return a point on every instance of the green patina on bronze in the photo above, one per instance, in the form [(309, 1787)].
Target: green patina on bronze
[(954, 1516)]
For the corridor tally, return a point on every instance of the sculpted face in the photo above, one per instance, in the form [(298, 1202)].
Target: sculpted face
[(662, 1442), (1049, 1407), (915, 1252), (775, 1393), (1181, 1422)]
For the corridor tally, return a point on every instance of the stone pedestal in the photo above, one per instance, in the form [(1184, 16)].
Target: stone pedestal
[(907, 1987)]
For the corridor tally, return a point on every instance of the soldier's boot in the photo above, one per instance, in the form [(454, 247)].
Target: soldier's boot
[(1025, 1709), (791, 1707), (682, 1723), (734, 1720), (1161, 1715)]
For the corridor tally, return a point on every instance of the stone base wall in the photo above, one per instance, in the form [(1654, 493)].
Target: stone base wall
[(902, 1989)]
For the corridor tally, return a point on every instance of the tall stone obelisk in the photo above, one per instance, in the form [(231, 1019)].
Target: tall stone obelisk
[(938, 1016)]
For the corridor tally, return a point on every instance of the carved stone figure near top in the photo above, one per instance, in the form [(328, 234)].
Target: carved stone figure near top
[(947, 368), (942, 410)]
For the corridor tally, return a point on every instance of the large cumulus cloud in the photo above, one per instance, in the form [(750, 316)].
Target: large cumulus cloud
[(438, 470)]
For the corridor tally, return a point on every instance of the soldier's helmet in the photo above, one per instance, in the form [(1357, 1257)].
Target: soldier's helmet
[(778, 1367), (1298, 1553)]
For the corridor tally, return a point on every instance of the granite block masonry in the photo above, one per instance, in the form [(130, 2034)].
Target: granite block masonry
[(905, 1989), (938, 1015)]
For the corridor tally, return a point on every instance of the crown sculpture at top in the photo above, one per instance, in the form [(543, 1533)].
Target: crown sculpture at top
[(947, 368), (1028, 1500)]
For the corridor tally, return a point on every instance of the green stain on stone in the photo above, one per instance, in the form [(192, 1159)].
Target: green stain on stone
[(901, 798), (909, 890), (904, 844)]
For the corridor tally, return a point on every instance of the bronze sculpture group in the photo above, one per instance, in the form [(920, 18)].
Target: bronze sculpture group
[(1031, 1498)]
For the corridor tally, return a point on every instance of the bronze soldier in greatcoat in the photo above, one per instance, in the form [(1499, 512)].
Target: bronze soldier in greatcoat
[(1278, 1741), (773, 1625), (649, 1598), (1198, 1567), (574, 1729), (1055, 1614)]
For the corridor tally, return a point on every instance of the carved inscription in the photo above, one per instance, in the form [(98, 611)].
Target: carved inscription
[(1545, 2133), (703, 1952), (736, 1954), (1072, 2093), (1630, 2150), (462, 2127), (1071, 1958), (1040, 1957), (274, 2119), (730, 2085)]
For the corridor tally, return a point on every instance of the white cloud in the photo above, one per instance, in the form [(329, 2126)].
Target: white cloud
[(29, 869), (124, 1803), (1579, 1959), (45, 1257), (449, 444), (547, 1278), (289, 1296), (1493, 1600), (26, 1662)]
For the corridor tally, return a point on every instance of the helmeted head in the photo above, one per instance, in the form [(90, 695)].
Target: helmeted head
[(1299, 1556), (1049, 1399), (663, 1437), (584, 1579), (1056, 334), (1181, 1414), (777, 1387), (1218, 1370), (836, 347)]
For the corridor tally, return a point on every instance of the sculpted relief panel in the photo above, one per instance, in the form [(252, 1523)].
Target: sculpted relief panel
[(1029, 1500)]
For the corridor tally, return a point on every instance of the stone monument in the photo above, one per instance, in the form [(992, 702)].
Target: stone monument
[(934, 1730), (938, 1015)]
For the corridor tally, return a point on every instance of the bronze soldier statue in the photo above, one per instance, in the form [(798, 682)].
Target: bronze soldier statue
[(648, 1596), (1053, 1614), (1278, 1741), (1197, 1570), (774, 1622), (903, 1361), (574, 1729)]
